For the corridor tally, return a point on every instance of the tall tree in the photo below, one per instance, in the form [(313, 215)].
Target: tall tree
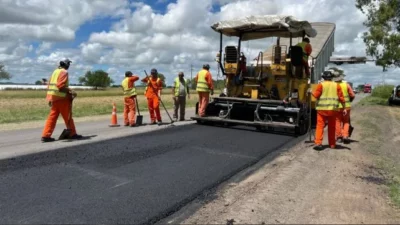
[(4, 75), (383, 38), (96, 79)]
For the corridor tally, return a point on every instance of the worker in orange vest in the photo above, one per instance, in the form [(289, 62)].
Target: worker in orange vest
[(128, 87), (60, 97), (204, 88), (307, 49), (153, 95), (343, 121), (328, 95)]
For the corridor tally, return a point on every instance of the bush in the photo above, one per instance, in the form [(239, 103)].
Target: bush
[(382, 91)]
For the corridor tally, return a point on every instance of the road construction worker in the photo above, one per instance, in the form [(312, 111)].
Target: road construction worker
[(153, 95), (128, 87), (180, 91), (60, 97), (343, 121), (204, 87), (328, 95), (307, 49)]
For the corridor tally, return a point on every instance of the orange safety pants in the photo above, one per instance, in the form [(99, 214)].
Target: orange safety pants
[(130, 110), (62, 106), (322, 116), (154, 107), (343, 124), (204, 98)]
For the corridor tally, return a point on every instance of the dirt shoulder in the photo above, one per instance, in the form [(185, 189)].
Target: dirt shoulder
[(344, 185)]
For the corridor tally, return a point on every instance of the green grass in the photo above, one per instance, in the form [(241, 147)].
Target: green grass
[(376, 136), (379, 96), (12, 94), (30, 105)]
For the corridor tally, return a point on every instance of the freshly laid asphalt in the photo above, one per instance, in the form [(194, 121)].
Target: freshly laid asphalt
[(134, 179)]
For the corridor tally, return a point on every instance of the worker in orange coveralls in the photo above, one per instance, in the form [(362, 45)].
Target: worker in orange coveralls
[(153, 95), (328, 95), (204, 88), (343, 121), (60, 98), (128, 86), (307, 49)]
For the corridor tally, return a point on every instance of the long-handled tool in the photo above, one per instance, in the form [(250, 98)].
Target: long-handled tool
[(139, 118), (159, 98)]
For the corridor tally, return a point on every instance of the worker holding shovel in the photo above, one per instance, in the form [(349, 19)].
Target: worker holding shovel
[(60, 98), (153, 94)]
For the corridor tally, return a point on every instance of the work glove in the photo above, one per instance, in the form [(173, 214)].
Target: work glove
[(212, 92), (50, 104), (344, 112)]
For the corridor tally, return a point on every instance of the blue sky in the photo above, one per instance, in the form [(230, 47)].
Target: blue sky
[(122, 35)]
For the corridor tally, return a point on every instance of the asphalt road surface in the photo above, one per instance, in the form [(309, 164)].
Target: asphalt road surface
[(128, 175), (121, 175)]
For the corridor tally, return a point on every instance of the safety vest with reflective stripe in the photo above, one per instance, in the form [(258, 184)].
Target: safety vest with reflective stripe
[(329, 98), (52, 88), (149, 83), (178, 84), (343, 85), (202, 84), (128, 92), (303, 46)]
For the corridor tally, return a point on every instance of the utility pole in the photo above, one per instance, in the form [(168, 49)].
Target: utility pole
[(191, 76)]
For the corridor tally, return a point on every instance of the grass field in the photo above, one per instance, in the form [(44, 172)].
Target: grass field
[(30, 105), (379, 96)]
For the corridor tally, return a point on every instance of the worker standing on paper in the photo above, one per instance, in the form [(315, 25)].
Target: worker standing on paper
[(307, 49), (153, 95), (204, 88), (60, 97), (129, 89)]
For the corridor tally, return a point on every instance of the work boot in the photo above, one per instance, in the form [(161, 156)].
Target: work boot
[(76, 136), (182, 119), (346, 141), (318, 148), (48, 139), (153, 122), (132, 125), (126, 125), (339, 140), (159, 122)]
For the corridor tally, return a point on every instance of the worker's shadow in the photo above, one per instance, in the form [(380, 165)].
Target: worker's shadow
[(326, 147), (83, 138)]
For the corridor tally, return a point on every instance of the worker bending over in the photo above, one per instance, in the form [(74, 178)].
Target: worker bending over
[(180, 91), (307, 49), (205, 85), (153, 95), (60, 97), (128, 87), (343, 121), (328, 95)]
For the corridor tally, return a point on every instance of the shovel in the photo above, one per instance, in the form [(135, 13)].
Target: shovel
[(139, 118), (67, 132), (351, 128)]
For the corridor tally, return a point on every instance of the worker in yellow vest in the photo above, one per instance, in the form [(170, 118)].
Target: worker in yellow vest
[(204, 88), (307, 49), (343, 121), (328, 95), (60, 97), (129, 89), (180, 91)]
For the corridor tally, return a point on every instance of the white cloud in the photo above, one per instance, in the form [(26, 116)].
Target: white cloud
[(144, 37)]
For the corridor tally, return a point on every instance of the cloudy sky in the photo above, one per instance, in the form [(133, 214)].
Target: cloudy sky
[(170, 35)]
